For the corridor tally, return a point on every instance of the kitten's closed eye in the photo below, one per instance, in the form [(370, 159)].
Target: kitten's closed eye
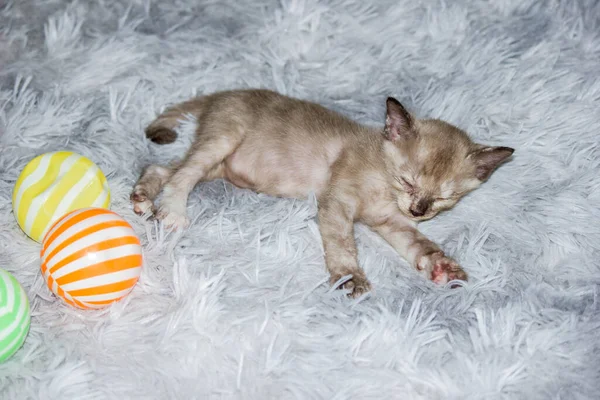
[(406, 184), (453, 198), (450, 197)]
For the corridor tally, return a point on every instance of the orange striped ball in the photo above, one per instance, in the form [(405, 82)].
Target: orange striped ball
[(91, 258)]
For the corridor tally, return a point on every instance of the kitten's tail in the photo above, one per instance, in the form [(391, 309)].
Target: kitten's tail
[(162, 129)]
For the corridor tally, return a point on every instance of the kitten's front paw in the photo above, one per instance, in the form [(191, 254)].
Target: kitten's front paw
[(442, 269), (357, 285), (172, 219)]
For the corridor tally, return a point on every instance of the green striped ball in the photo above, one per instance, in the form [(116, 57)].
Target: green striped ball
[(14, 315)]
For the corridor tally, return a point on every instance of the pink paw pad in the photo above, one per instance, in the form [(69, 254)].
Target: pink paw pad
[(439, 275), (445, 270)]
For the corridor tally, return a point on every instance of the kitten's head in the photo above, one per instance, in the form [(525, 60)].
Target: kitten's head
[(432, 163)]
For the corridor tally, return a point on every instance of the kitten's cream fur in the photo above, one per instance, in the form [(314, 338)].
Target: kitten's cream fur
[(388, 178)]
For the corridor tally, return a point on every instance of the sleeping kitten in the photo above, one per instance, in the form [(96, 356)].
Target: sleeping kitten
[(388, 178)]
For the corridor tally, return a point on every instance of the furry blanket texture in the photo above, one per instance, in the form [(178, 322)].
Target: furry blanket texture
[(238, 306)]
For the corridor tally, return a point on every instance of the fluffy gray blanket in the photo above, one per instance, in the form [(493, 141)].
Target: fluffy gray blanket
[(239, 306)]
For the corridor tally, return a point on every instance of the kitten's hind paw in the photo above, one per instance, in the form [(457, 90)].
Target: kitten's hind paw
[(171, 219), (357, 285), (141, 203)]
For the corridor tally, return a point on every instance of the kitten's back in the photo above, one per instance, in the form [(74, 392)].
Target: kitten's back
[(259, 111)]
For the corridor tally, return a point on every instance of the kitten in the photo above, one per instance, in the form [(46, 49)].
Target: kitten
[(388, 178)]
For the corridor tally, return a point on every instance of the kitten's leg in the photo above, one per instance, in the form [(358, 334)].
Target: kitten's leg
[(419, 251), (201, 161), (336, 223), (148, 187)]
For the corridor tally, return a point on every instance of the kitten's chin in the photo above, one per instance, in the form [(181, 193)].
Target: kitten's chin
[(411, 217), (423, 218)]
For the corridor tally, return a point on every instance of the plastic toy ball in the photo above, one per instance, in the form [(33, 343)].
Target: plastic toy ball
[(91, 258), (15, 315), (53, 184)]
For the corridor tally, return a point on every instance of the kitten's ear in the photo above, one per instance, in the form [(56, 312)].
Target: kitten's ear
[(398, 121), (487, 159)]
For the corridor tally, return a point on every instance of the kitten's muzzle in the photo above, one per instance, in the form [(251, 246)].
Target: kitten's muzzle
[(419, 208), (415, 213)]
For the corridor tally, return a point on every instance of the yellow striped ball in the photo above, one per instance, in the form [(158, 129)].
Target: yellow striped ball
[(54, 184), (91, 258)]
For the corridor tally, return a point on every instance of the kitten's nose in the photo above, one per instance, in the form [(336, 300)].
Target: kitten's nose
[(417, 213), (418, 209)]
